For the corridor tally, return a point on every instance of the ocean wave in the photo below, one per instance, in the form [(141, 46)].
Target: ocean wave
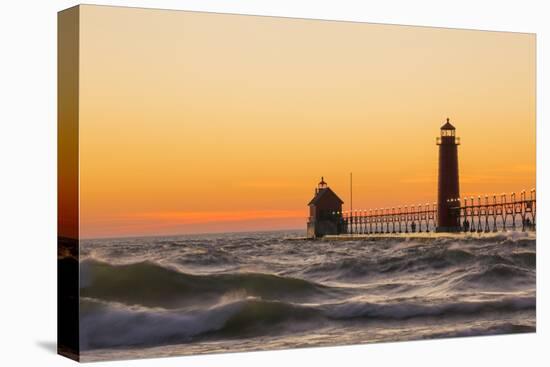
[(407, 309), (525, 258), (151, 284), (104, 325), (495, 277), (416, 260), (108, 325)]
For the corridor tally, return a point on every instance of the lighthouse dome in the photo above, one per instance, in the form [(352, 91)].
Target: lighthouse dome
[(448, 126)]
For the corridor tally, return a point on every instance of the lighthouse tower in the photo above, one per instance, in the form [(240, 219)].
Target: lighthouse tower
[(448, 192)]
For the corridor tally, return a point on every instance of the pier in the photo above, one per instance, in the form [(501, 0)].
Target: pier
[(482, 214), (450, 214)]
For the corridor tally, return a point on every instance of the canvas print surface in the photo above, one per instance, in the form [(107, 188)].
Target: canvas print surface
[(236, 183)]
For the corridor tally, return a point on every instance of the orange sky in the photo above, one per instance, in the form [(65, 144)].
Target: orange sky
[(197, 122)]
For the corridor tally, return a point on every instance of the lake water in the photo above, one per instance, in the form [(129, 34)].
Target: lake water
[(149, 297)]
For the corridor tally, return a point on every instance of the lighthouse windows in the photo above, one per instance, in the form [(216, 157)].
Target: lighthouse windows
[(447, 132)]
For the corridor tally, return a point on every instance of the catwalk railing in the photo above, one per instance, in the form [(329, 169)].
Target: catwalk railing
[(482, 214)]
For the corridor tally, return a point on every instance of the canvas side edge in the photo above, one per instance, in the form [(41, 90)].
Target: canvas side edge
[(68, 343)]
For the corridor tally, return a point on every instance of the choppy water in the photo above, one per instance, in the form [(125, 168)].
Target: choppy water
[(147, 297)]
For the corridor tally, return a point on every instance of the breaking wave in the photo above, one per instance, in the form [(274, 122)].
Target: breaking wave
[(151, 284), (112, 325)]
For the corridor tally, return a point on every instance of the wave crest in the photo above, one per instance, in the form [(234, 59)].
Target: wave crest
[(107, 325), (150, 284)]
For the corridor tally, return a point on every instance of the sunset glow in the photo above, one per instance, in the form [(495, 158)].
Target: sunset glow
[(196, 122)]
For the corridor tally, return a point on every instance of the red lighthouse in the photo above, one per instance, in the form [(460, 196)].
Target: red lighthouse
[(325, 212), (448, 190)]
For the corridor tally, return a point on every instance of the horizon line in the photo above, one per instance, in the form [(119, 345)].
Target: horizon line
[(183, 234)]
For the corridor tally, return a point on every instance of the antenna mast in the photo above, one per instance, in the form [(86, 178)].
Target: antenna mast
[(351, 191)]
